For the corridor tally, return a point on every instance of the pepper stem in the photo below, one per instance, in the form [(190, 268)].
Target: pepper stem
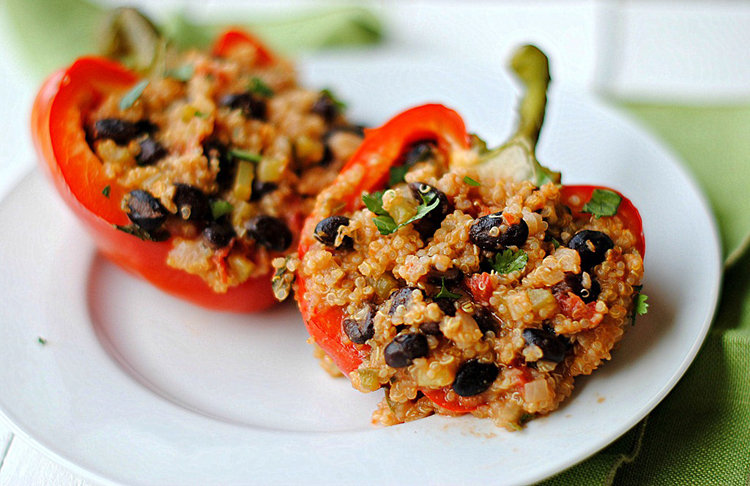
[(532, 69)]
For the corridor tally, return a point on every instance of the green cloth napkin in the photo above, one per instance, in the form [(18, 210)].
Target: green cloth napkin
[(50, 34), (700, 434)]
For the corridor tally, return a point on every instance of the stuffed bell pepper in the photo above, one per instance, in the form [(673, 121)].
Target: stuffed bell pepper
[(198, 172), (460, 279)]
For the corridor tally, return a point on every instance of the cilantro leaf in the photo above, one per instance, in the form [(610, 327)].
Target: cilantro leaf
[(220, 207), (509, 261), (132, 96), (259, 87), (471, 182), (445, 293), (385, 222), (182, 73), (603, 202), (374, 203), (106, 191), (245, 155), (41, 340), (641, 306)]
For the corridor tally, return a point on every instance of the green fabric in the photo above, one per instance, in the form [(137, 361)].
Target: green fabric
[(700, 434), (50, 34)]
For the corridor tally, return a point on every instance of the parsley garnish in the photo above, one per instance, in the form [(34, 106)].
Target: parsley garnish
[(132, 96), (41, 340), (200, 114), (385, 222), (245, 155), (106, 191), (220, 207), (259, 87), (603, 202), (182, 73), (340, 105), (445, 293), (471, 181), (509, 261), (641, 306)]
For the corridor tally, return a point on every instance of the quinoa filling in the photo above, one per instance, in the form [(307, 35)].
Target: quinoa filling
[(491, 301), (223, 156)]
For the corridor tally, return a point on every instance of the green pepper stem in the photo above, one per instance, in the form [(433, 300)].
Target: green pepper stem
[(532, 69)]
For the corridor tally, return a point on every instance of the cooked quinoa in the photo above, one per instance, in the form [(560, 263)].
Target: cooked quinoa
[(225, 155), (491, 303)]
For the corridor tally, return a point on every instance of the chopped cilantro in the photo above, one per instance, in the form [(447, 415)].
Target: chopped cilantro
[(509, 261), (132, 96), (445, 293), (641, 306), (340, 105), (245, 155), (220, 207), (471, 181), (259, 87), (603, 202), (385, 222), (182, 73), (106, 191), (41, 340), (200, 114), (420, 152)]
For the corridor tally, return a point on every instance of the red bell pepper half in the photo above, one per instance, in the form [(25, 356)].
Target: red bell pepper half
[(383, 148), (57, 125)]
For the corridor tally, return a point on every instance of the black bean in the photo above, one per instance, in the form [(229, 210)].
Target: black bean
[(325, 107), (145, 211), (219, 234), (553, 346), (362, 328), (251, 106), (328, 229), (151, 152), (486, 320), (420, 152), (430, 328), (401, 296), (432, 220), (481, 233), (269, 232), (474, 377), (592, 246), (447, 306), (120, 131), (261, 188), (192, 204), (404, 348), (573, 282), (450, 276)]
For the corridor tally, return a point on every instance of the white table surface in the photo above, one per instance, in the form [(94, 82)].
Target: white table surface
[(476, 31)]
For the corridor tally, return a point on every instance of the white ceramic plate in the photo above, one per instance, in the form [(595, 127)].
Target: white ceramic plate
[(133, 386)]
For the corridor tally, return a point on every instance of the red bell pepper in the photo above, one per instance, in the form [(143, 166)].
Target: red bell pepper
[(381, 150), (57, 125)]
